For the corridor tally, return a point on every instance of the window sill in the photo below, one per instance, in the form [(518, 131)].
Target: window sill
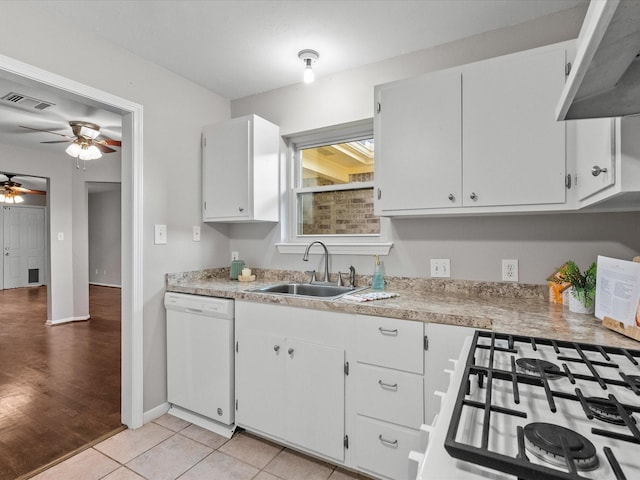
[(338, 248)]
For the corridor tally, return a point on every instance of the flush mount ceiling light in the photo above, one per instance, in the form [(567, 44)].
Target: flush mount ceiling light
[(308, 57)]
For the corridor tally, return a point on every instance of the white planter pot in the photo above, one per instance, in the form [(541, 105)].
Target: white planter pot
[(577, 306)]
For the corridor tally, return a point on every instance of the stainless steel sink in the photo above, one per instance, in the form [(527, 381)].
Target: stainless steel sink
[(328, 292)]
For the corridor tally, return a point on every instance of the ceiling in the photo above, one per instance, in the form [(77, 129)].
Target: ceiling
[(244, 47)]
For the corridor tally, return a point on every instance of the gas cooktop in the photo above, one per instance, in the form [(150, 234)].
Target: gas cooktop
[(538, 408)]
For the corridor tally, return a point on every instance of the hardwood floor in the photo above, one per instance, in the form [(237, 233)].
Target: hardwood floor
[(59, 385)]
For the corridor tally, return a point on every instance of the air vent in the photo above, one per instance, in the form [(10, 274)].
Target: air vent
[(26, 102)]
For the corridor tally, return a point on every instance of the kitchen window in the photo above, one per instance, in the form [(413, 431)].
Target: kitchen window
[(331, 188)]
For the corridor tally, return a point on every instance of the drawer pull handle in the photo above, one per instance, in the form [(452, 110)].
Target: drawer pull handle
[(276, 348), (290, 351), (388, 386), (390, 443), (386, 331)]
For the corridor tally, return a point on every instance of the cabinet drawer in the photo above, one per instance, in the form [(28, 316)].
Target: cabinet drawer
[(390, 395), (383, 448), (392, 343)]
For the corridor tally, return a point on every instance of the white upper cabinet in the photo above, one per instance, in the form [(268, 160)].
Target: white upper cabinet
[(418, 143), (514, 149), (607, 174), (481, 138), (240, 171)]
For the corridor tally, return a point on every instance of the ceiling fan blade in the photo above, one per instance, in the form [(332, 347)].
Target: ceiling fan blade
[(103, 148), (46, 131), (108, 141), (59, 141), (36, 192)]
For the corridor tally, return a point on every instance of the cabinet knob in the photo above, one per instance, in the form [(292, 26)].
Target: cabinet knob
[(473, 196), (596, 170), (379, 194), (451, 197), (290, 351), (241, 209), (276, 348)]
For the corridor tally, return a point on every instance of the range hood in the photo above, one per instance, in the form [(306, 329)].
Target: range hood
[(605, 78)]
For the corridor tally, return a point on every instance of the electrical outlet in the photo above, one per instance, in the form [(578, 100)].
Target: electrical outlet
[(196, 233), (510, 270), (440, 267), (235, 256)]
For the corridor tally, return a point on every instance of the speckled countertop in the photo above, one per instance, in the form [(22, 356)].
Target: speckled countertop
[(501, 307)]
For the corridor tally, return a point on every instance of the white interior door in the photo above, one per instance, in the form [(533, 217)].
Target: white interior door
[(23, 246)]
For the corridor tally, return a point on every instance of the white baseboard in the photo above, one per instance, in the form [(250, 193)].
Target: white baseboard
[(105, 285), (68, 320), (155, 412), (204, 422)]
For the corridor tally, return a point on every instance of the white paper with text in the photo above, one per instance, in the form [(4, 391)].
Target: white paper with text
[(618, 290)]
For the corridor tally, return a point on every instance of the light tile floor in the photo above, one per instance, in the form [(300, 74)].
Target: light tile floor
[(170, 448)]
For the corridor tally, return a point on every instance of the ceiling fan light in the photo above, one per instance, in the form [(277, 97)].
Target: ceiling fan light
[(2, 198), (93, 153), (74, 149), (18, 199), (8, 199)]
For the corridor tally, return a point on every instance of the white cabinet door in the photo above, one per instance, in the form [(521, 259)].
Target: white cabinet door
[(240, 171), (225, 165), (315, 397), (418, 142), (260, 382), (595, 150), (514, 150)]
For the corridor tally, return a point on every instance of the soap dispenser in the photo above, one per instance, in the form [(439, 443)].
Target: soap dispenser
[(377, 282)]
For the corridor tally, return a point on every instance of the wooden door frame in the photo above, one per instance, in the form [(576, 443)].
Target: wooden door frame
[(132, 224)]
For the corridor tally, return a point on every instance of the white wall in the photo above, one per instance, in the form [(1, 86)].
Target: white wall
[(104, 237), (475, 245), (174, 112)]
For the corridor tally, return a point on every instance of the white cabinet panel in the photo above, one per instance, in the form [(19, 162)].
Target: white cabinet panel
[(240, 170), (390, 395), (595, 147), (419, 142), (390, 343), (260, 377), (315, 397), (384, 448), (514, 150)]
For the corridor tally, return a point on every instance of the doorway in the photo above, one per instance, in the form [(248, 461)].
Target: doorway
[(132, 225)]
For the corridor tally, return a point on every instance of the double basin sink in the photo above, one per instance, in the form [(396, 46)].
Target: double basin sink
[(316, 290)]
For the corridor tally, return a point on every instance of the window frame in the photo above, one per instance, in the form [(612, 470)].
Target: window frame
[(351, 244)]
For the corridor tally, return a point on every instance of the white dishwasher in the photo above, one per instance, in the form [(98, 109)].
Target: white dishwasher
[(200, 360)]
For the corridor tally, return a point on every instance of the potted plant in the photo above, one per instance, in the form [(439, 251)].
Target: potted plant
[(583, 287)]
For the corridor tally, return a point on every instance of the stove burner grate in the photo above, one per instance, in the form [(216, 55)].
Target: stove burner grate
[(553, 443), (604, 410), (530, 365)]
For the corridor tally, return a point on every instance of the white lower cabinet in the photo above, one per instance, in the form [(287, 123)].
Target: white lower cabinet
[(290, 376), (389, 394), (350, 389)]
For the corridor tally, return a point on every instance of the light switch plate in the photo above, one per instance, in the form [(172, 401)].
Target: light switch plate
[(440, 268), (160, 235), (196, 233)]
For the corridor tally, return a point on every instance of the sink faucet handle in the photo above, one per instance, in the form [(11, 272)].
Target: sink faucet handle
[(313, 275), (352, 276)]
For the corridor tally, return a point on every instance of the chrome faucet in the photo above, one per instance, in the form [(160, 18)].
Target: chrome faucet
[(305, 258)]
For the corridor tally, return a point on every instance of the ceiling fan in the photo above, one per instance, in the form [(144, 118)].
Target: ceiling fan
[(86, 142), (11, 192)]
